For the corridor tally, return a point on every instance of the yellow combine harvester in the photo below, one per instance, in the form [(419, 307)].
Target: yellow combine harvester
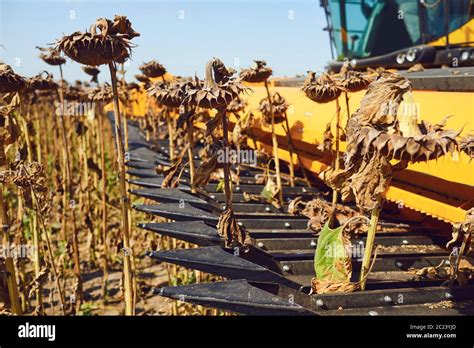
[(391, 34)]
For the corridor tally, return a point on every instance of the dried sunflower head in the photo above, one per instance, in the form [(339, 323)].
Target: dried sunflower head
[(50, 56), (237, 105), (413, 149), (9, 81), (92, 71), (380, 104), (466, 144), (119, 26), (322, 89), (168, 94), (43, 82), (152, 69), (142, 78), (219, 89), (112, 43), (259, 72), (101, 93), (378, 126), (353, 81), (279, 109), (132, 86), (72, 92)]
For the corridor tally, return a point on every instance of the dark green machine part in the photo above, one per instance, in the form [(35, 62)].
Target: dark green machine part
[(396, 33)]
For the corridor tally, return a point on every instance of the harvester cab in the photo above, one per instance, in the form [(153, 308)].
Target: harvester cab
[(400, 33)]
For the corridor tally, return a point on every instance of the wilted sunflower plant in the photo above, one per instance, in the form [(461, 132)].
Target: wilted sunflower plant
[(150, 71), (325, 89), (101, 95), (10, 84), (259, 73), (108, 42), (379, 132), (170, 95), (220, 87)]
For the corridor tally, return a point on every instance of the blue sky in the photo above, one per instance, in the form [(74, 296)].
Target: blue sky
[(182, 35)]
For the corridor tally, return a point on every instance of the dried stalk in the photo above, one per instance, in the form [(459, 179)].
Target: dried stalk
[(104, 205), (369, 244), (5, 228), (227, 175), (69, 193), (169, 123), (50, 251), (129, 310), (336, 151), (275, 146), (190, 135)]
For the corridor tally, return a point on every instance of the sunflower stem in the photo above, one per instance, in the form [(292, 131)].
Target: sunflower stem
[(100, 120), (69, 193), (40, 220), (190, 135), (129, 310), (167, 115), (291, 150), (369, 244), (227, 177), (336, 151), (275, 146)]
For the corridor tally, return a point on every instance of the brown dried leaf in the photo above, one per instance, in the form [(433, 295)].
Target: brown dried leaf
[(170, 173), (234, 235), (463, 231), (327, 287)]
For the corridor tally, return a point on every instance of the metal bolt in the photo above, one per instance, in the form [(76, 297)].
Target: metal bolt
[(319, 302), (267, 209), (286, 268), (223, 206), (446, 262), (361, 242), (239, 223), (405, 242), (237, 188), (448, 295), (313, 243), (387, 299), (304, 190), (186, 171), (399, 264), (260, 244), (287, 225), (373, 313), (213, 197)]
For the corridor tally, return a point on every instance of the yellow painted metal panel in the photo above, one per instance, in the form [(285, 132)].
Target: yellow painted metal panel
[(461, 35)]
